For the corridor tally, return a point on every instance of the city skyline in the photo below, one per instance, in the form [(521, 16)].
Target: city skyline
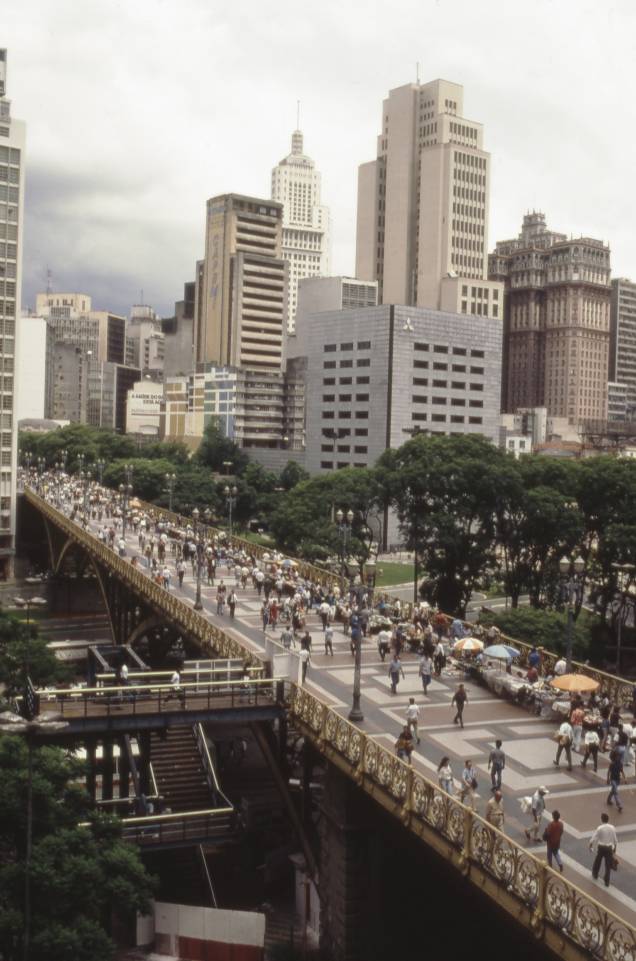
[(98, 156)]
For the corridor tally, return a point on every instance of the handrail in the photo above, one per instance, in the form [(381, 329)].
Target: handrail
[(176, 816), (78, 692), (206, 872), (190, 670), (551, 900), (210, 770)]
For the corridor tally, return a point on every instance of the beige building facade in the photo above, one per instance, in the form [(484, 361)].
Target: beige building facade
[(556, 321), (422, 227), (241, 301)]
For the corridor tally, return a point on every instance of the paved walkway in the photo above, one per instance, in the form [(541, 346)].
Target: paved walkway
[(580, 795)]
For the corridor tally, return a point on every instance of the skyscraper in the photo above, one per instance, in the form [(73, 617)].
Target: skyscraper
[(12, 144), (622, 362), (296, 185), (556, 321), (240, 313), (422, 229)]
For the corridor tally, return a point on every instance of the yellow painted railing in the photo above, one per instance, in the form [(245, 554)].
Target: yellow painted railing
[(550, 903)]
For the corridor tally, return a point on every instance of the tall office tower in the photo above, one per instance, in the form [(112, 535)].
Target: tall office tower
[(556, 321), (241, 313), (422, 228), (622, 359), (296, 185), (12, 145), (145, 342)]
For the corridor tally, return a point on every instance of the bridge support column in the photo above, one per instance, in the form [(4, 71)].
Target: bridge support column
[(144, 762), (124, 769), (91, 763), (346, 874), (107, 769)]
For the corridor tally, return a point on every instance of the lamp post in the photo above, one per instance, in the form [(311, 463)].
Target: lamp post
[(125, 490), (170, 482), (100, 465), (198, 606), (344, 530), (227, 464), (345, 526), (80, 462), (45, 723), (624, 576), (230, 497), (571, 586)]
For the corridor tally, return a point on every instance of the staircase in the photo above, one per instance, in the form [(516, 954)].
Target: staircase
[(179, 770)]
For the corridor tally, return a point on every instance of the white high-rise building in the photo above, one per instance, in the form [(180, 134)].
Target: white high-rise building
[(296, 185), (12, 144), (422, 228)]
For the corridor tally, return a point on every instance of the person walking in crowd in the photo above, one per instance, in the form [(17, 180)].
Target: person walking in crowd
[(304, 662), (552, 837), (604, 842), (495, 810), (395, 670), (615, 774), (576, 721), (232, 602), (439, 658), (404, 745), (384, 643), (329, 639), (536, 807), (425, 672), (459, 700), (445, 776), (412, 718), (469, 785), (591, 745), (496, 764), (564, 739)]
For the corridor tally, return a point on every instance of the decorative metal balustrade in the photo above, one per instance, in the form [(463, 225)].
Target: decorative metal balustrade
[(552, 906)]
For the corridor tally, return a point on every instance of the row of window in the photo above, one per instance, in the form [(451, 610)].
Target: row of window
[(361, 345), (444, 349), (438, 365), (443, 419), (329, 465), (345, 414), (344, 398), (454, 384), (344, 449), (360, 362), (330, 381)]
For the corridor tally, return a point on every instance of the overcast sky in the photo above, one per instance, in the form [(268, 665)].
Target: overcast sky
[(138, 110)]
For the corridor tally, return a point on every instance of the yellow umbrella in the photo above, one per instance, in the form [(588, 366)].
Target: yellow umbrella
[(574, 682)]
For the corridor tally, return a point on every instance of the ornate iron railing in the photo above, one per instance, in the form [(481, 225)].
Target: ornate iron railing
[(549, 900)]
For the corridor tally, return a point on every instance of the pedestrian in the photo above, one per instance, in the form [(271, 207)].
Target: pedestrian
[(177, 691), (534, 660), (384, 643), (425, 672), (445, 776), (439, 658), (412, 718), (324, 611), (591, 743), (496, 764), (605, 841), (265, 614), (614, 774), (220, 598), (329, 639), (537, 807), (395, 669), (181, 571), (495, 810), (560, 667), (552, 837), (404, 745), (304, 661), (287, 638), (564, 738), (459, 700), (165, 576), (231, 603), (576, 720), (469, 785)]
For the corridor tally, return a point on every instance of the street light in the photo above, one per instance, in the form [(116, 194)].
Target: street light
[(227, 464), (125, 490), (46, 723), (624, 577), (230, 497), (571, 588), (344, 530), (198, 606), (345, 527), (100, 465), (170, 482)]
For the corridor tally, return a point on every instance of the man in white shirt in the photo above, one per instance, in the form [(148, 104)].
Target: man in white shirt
[(591, 743), (565, 736), (384, 643), (412, 717), (537, 807), (560, 667), (605, 841)]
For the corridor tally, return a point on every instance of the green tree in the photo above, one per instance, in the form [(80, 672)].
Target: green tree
[(78, 875), (216, 450), (292, 474), (24, 654), (444, 491)]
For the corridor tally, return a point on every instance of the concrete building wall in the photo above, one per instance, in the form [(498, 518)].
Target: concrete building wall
[(367, 221), (31, 368), (622, 363), (374, 376)]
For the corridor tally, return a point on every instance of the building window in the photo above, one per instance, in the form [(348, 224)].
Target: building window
[(362, 380), (439, 366), (419, 399), (327, 381), (327, 415), (475, 403), (362, 415), (329, 364), (346, 380), (364, 345), (420, 381), (329, 348), (360, 449), (475, 420), (458, 368), (476, 353), (439, 418), (477, 370), (439, 400), (418, 416), (361, 432), (440, 349), (344, 398), (422, 364), (362, 397), (458, 402), (417, 346), (328, 398), (346, 346), (457, 419), (459, 351), (363, 362), (326, 464), (346, 363)]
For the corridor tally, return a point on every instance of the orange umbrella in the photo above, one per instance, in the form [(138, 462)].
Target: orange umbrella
[(574, 682)]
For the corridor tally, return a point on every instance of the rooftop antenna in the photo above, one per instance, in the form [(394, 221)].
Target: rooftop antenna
[(417, 71), (142, 296), (298, 115), (49, 281)]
